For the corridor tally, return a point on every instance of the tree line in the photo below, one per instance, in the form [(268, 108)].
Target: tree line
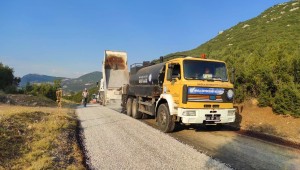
[(9, 84)]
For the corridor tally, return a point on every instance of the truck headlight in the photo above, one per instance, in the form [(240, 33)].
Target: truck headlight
[(231, 112), (230, 94), (189, 113)]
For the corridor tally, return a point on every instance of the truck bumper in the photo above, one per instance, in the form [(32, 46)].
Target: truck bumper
[(206, 116)]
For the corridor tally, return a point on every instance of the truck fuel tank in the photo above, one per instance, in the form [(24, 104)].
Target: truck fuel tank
[(150, 75)]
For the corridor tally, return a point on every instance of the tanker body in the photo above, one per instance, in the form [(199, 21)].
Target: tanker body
[(183, 90)]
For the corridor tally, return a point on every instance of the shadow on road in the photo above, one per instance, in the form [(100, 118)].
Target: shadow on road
[(204, 128)]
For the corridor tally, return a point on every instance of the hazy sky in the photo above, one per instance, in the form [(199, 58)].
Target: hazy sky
[(68, 37)]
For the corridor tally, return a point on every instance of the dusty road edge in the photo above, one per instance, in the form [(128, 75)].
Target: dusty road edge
[(80, 140)]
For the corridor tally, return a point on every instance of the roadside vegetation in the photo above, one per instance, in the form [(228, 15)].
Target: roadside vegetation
[(34, 133), (43, 89), (8, 82), (9, 85), (38, 138), (265, 52)]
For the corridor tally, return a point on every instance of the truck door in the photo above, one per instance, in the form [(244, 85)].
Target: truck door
[(172, 83)]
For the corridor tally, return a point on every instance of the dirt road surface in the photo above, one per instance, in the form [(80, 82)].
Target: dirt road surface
[(116, 141)]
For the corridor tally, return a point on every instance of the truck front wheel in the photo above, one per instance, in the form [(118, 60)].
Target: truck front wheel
[(129, 107), (165, 121), (135, 110)]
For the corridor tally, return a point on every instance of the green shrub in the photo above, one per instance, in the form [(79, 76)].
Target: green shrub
[(264, 98), (11, 89), (287, 100), (43, 89), (8, 82), (239, 94)]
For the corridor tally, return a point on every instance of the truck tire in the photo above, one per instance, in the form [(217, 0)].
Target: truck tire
[(129, 107), (165, 121), (135, 110)]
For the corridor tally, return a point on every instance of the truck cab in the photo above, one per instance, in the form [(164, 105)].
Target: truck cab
[(198, 91), (183, 90)]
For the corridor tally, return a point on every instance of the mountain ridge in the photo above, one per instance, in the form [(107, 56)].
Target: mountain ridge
[(85, 81), (37, 78), (69, 84)]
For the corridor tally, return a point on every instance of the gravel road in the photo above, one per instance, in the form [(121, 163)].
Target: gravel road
[(116, 141), (238, 151)]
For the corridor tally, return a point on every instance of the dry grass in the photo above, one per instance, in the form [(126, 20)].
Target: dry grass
[(38, 138)]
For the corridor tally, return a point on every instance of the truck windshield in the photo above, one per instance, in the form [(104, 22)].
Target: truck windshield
[(204, 70)]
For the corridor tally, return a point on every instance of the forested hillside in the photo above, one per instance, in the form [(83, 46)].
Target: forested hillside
[(36, 78), (265, 52), (85, 81)]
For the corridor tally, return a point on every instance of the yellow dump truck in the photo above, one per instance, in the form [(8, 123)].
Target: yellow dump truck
[(183, 90)]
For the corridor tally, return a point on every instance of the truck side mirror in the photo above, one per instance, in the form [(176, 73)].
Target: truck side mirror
[(97, 83)]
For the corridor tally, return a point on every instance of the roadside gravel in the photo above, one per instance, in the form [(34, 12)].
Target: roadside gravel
[(116, 141)]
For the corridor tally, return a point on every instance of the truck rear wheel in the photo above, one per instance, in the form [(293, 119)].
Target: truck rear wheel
[(129, 107), (165, 121), (135, 110)]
